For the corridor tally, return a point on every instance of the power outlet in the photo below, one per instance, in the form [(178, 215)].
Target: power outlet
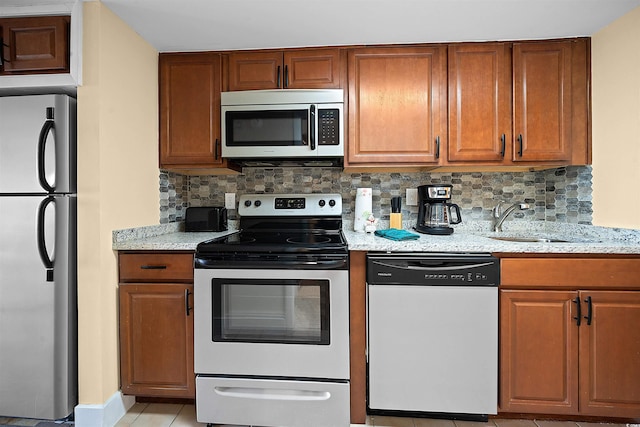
[(230, 200), (412, 197)]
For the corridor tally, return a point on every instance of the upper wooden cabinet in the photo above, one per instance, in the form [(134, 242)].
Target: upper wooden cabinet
[(542, 101), (504, 104), (519, 103), (34, 45), (190, 85), (289, 69), (479, 102), (397, 105)]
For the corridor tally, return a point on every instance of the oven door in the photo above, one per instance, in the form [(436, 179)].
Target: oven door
[(272, 323)]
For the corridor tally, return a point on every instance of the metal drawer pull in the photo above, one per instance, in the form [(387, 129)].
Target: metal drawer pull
[(153, 267), (271, 393)]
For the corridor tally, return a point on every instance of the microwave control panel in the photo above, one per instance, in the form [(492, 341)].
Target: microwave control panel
[(328, 126)]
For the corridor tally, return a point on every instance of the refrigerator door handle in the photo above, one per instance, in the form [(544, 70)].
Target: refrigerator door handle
[(47, 127), (42, 246)]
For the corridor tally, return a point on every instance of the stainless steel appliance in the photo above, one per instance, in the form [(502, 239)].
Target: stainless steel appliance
[(432, 340), (434, 210), (271, 306), (290, 124), (38, 374)]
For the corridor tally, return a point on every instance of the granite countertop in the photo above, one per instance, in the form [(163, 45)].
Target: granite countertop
[(473, 236)]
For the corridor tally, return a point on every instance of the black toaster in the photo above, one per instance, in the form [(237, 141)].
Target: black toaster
[(206, 218)]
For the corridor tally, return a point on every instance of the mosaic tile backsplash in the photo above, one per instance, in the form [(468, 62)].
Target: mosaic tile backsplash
[(561, 195)]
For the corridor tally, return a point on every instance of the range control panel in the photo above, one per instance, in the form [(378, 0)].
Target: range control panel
[(433, 269), (290, 205)]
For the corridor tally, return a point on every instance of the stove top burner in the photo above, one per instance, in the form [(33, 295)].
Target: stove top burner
[(271, 242), (306, 239)]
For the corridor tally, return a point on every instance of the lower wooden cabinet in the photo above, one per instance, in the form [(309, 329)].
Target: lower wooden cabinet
[(574, 351), (156, 325)]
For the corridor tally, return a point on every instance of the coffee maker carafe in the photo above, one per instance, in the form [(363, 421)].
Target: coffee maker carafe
[(435, 211)]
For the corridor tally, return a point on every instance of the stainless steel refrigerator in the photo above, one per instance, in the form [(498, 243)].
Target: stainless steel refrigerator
[(38, 327)]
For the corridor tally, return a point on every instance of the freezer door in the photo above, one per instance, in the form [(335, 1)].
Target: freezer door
[(38, 374), (37, 144)]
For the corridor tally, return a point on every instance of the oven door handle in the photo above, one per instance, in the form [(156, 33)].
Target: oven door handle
[(272, 393)]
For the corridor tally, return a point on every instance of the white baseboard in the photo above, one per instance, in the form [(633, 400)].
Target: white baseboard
[(105, 415)]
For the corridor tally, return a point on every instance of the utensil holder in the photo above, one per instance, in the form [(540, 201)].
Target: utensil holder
[(395, 221)]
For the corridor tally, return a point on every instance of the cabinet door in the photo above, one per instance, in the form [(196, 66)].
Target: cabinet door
[(36, 44), (312, 69), (538, 352), (610, 354), (255, 70), (397, 105), (542, 101), (190, 110), (479, 102), (156, 340)]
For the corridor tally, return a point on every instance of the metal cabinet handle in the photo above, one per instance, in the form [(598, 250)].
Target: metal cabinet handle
[(589, 315), (286, 76), (438, 147), (503, 141), (579, 314), (520, 145), (215, 149), (187, 309), (153, 267), (278, 77), (2, 46)]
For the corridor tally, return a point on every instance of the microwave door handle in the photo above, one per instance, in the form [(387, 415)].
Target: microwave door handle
[(312, 137)]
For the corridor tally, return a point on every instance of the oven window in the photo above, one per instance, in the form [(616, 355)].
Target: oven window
[(265, 128), (271, 311)]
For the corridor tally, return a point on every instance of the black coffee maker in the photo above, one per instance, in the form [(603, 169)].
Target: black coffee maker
[(435, 211)]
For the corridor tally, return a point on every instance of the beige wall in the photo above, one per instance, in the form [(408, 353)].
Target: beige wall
[(616, 123), (118, 172), (118, 180)]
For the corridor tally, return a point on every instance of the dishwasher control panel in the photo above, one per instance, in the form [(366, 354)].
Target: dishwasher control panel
[(433, 269)]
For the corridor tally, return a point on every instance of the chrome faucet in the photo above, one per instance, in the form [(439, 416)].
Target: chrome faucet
[(498, 216)]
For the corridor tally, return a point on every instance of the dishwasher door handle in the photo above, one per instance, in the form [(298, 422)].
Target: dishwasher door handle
[(429, 265)]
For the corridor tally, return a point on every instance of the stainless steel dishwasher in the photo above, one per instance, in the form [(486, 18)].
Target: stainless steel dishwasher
[(432, 334)]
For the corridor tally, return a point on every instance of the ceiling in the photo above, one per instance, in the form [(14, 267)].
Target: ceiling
[(195, 25)]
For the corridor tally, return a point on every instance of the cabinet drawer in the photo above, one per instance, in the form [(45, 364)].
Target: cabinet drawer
[(570, 273), (156, 267)]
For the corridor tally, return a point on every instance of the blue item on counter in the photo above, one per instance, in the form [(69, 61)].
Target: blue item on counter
[(395, 234)]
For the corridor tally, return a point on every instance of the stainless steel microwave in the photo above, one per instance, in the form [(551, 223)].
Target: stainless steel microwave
[(283, 124)]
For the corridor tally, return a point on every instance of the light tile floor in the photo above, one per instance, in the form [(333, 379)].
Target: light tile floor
[(165, 415)]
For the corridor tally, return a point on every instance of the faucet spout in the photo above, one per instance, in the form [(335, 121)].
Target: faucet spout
[(498, 216)]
